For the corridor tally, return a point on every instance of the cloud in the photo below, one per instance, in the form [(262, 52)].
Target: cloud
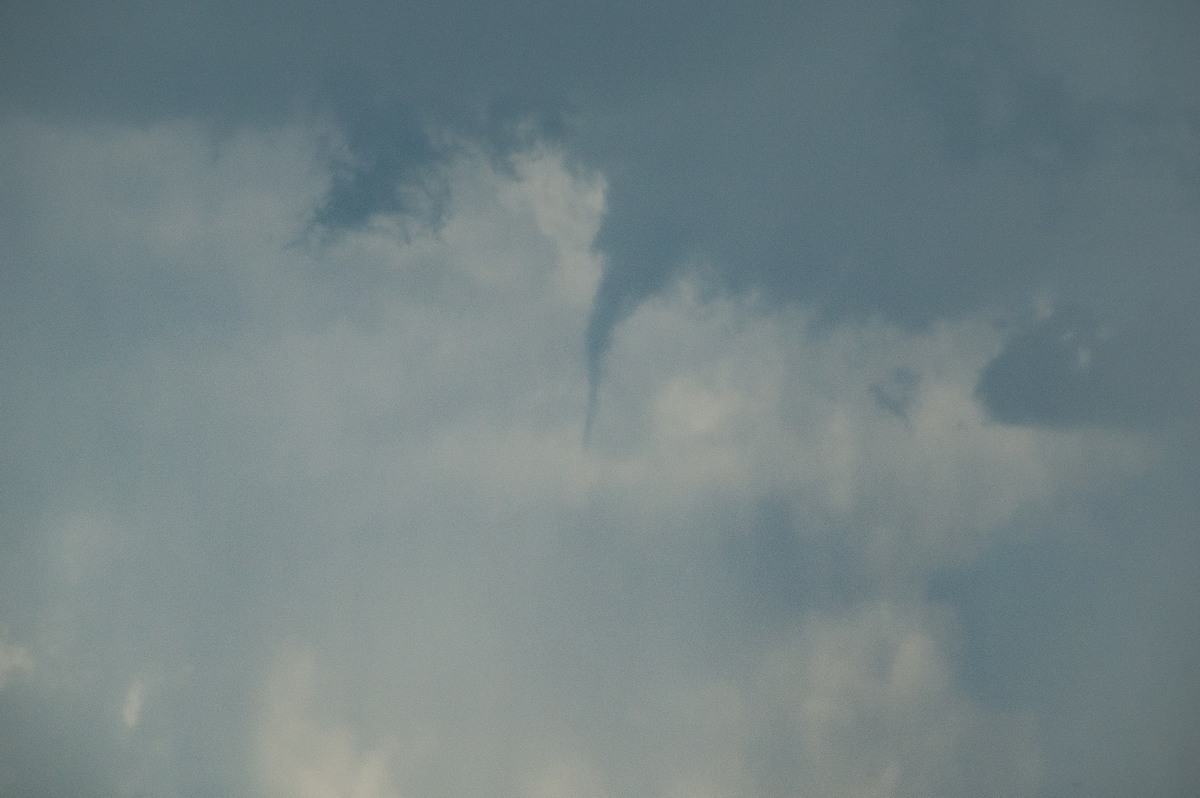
[(917, 162), (384, 171), (131, 710), (876, 682), (566, 780), (15, 661), (728, 401), (1069, 370), (297, 757), (185, 575), (895, 392), (331, 504), (929, 164)]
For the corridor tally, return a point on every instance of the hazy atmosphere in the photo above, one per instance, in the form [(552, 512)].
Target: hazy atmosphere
[(616, 400)]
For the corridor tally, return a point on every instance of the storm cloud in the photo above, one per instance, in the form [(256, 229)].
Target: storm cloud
[(643, 398)]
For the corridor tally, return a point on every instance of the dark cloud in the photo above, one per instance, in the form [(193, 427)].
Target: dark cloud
[(54, 746), (231, 457), (920, 167), (975, 76), (385, 171), (1031, 636), (1070, 370), (914, 162), (262, 61)]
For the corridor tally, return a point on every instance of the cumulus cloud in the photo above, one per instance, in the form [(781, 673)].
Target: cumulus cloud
[(297, 757), (316, 515), (877, 682)]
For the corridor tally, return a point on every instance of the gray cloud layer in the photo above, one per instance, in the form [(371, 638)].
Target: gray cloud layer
[(914, 161), (886, 317)]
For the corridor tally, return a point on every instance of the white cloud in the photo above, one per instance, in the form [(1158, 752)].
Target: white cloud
[(397, 452), (715, 401), (724, 399), (299, 756), (871, 703)]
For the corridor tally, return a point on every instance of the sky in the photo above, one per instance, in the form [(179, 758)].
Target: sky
[(544, 400)]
